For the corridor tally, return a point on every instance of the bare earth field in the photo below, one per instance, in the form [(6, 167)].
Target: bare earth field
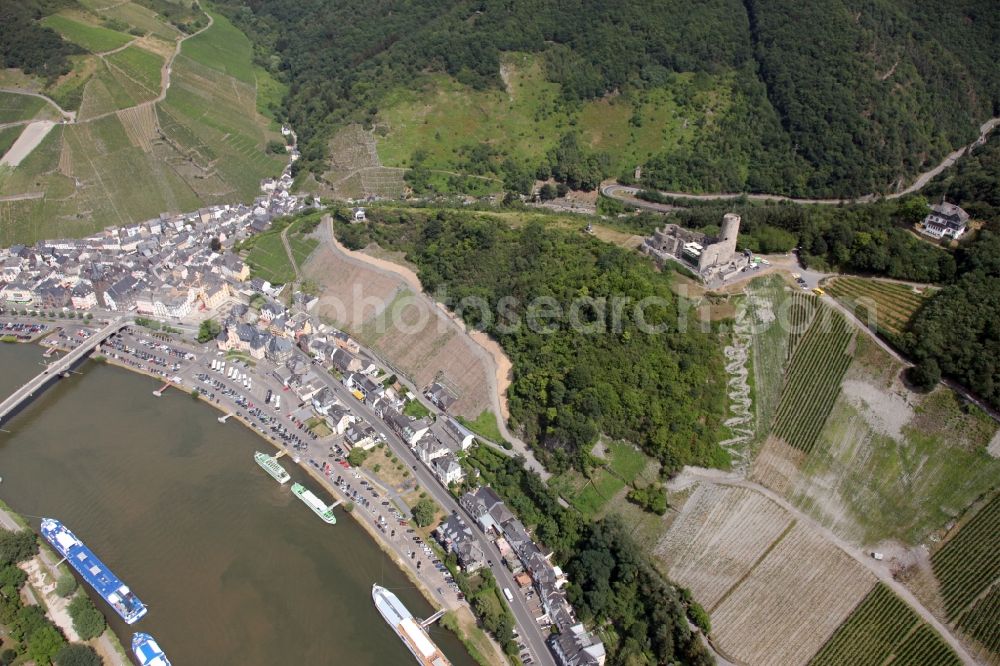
[(791, 603), (32, 135), (718, 537), (387, 314)]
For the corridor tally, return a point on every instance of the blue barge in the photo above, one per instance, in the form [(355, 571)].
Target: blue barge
[(95, 572)]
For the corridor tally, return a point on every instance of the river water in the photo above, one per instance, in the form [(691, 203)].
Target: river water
[(234, 568)]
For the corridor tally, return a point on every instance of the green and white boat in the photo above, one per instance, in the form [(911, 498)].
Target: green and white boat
[(272, 467), (316, 504)]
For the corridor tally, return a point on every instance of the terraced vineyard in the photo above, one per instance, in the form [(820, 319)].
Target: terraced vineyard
[(813, 380), (923, 647), (981, 623), (884, 306), (882, 626), (800, 310), (719, 535), (968, 569), (128, 159), (791, 602), (970, 561), (23, 107), (94, 38)]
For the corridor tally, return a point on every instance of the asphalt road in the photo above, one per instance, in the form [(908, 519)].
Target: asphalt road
[(531, 633)]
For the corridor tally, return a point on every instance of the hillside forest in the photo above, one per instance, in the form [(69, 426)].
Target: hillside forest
[(955, 332), (875, 91), (29, 46), (572, 383)]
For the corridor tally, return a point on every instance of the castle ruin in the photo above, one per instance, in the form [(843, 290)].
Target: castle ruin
[(710, 257)]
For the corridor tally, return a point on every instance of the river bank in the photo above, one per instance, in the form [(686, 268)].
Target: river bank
[(156, 484), (43, 571), (479, 645), (484, 650)]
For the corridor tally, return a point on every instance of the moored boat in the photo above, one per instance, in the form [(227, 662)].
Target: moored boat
[(93, 571), (316, 504), (147, 651), (411, 632), (271, 465)]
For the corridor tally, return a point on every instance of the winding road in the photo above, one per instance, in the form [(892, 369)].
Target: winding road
[(628, 194), (69, 117)]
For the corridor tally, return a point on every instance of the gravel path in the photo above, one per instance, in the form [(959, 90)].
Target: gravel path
[(32, 135)]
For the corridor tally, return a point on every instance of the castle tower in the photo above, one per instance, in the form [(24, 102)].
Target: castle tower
[(727, 239)]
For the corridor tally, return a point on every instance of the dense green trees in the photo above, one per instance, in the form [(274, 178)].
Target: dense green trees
[(17, 546), (423, 512), (87, 620), (612, 581), (613, 585), (45, 643), (66, 585), (76, 654), (957, 333), (208, 329), (33, 48), (598, 341), (860, 121), (652, 498), (33, 634), (880, 88), (12, 577)]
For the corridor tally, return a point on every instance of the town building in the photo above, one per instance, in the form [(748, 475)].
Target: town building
[(945, 220)]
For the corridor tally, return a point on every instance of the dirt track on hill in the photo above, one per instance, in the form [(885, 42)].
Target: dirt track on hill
[(32, 135), (471, 361)]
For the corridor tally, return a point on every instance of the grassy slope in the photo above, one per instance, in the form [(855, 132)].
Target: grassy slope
[(223, 48), (94, 38), (139, 17), (8, 136), (22, 107), (590, 495), (122, 80), (528, 119), (869, 485), (215, 151)]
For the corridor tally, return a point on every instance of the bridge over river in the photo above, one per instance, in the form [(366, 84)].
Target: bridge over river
[(34, 387)]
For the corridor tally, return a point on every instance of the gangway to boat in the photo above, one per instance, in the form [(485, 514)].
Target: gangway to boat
[(432, 619)]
